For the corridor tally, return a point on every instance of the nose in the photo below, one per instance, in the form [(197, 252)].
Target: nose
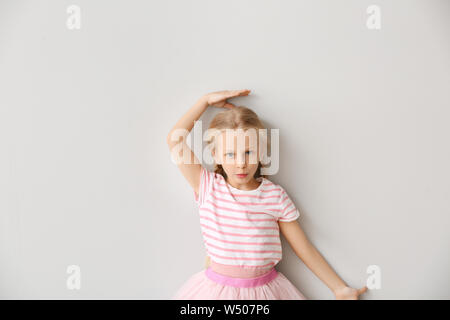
[(240, 161)]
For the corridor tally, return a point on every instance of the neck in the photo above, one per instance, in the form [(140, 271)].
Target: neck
[(251, 185)]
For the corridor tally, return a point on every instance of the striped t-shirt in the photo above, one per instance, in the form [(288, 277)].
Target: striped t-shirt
[(240, 227)]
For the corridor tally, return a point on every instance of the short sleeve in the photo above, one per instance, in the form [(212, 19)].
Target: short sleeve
[(288, 210), (206, 179)]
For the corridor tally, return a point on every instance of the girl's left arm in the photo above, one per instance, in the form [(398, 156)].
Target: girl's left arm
[(304, 249)]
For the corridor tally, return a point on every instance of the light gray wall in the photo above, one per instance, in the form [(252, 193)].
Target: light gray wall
[(86, 176)]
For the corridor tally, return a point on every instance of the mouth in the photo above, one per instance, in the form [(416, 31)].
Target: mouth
[(241, 175)]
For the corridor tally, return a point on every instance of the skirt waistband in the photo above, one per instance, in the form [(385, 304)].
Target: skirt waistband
[(241, 282), (239, 271)]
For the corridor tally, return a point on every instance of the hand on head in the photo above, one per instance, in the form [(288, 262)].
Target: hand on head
[(219, 98)]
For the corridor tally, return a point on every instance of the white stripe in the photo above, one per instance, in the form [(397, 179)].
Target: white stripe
[(227, 218), (249, 263), (231, 254), (239, 238), (239, 230), (242, 246)]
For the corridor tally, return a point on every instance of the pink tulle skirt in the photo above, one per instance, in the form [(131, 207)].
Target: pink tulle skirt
[(210, 285)]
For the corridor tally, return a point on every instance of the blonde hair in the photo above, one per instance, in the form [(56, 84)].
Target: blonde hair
[(239, 117)]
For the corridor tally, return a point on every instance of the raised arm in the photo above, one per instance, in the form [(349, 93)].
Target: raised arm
[(177, 136)]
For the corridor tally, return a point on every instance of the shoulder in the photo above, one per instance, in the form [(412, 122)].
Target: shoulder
[(211, 177), (211, 173), (208, 183), (275, 189), (271, 184), (287, 209)]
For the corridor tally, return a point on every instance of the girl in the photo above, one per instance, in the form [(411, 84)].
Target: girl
[(242, 212)]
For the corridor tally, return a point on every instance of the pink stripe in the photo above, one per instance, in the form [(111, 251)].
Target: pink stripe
[(247, 203), (240, 234), (244, 267), (244, 243), (237, 271), (234, 218), (290, 206), (241, 282), (238, 250), (236, 226), (237, 258), (239, 268), (288, 217), (294, 209), (237, 210)]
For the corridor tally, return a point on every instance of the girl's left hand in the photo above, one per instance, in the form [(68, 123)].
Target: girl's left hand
[(347, 293)]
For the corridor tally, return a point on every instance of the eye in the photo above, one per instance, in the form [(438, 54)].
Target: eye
[(249, 152), (229, 153)]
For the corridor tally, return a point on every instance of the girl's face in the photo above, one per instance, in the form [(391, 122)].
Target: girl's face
[(238, 153)]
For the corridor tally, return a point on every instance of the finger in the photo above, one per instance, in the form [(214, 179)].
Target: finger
[(229, 105), (362, 290), (244, 92), (237, 93), (219, 104), (232, 94)]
